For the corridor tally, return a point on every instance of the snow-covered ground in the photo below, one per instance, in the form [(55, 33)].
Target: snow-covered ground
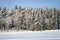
[(31, 35)]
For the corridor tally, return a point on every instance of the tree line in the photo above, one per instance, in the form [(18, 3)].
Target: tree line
[(29, 19)]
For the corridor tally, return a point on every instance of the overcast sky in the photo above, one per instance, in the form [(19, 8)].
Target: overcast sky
[(30, 3)]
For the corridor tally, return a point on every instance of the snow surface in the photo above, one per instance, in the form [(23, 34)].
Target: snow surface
[(31, 35)]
